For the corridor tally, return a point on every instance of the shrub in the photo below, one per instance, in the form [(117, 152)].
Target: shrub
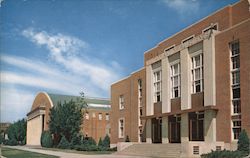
[(64, 143), (46, 139), (90, 141), (11, 142), (224, 154), (106, 142), (76, 140), (100, 143), (243, 142)]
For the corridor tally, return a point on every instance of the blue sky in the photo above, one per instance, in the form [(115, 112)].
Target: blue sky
[(68, 46)]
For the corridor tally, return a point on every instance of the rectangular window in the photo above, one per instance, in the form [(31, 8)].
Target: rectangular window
[(93, 115), (157, 86), (107, 117), (236, 129), (175, 80), (121, 102), (139, 88), (197, 73), (235, 77), (236, 106), (100, 116), (87, 116), (121, 128)]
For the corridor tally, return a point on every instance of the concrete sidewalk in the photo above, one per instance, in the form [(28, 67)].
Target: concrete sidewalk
[(70, 155)]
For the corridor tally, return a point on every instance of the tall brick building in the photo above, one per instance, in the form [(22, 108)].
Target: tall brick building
[(96, 123), (193, 89)]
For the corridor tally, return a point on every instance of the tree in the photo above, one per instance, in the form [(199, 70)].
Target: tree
[(243, 142), (17, 132), (64, 143), (46, 139), (65, 120)]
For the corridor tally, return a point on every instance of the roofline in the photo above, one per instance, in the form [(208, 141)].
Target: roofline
[(137, 70), (124, 78), (230, 5), (86, 97)]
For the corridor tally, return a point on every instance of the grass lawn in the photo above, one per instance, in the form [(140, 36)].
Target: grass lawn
[(79, 152), (14, 153)]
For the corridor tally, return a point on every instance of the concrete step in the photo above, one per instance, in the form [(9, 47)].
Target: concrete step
[(153, 150)]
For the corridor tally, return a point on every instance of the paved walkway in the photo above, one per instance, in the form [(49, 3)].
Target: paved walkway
[(70, 155)]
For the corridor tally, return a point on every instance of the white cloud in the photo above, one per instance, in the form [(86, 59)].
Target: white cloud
[(64, 49), (15, 103), (44, 76), (183, 7)]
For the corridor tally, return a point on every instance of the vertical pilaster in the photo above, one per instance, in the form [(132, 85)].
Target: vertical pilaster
[(185, 80), (165, 130), (149, 91), (209, 71), (184, 128), (148, 131), (210, 126), (165, 86)]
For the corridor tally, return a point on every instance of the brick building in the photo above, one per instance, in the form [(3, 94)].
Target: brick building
[(193, 89), (96, 121)]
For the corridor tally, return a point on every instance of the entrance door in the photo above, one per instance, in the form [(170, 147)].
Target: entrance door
[(156, 130), (174, 129), (196, 126)]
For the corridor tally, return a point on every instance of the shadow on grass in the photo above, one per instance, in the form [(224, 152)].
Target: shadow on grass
[(15, 153)]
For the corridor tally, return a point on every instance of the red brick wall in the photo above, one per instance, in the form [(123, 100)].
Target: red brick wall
[(223, 87)]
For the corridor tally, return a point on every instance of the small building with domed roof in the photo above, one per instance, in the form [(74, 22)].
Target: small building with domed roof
[(96, 116)]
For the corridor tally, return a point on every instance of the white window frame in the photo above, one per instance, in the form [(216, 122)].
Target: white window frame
[(172, 76), (100, 116), (93, 115), (236, 127), (121, 135), (157, 82), (121, 102), (200, 70), (235, 82), (107, 117)]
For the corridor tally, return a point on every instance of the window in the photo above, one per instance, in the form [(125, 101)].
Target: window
[(87, 116), (93, 115), (121, 128), (107, 117), (157, 86), (236, 106), (236, 129), (197, 73), (121, 102), (100, 116), (175, 80), (139, 88), (235, 76)]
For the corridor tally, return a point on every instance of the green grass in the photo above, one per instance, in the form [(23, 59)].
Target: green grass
[(79, 152), (14, 153)]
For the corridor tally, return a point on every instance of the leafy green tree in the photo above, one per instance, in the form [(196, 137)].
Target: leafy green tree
[(17, 132), (243, 142), (65, 120), (46, 139)]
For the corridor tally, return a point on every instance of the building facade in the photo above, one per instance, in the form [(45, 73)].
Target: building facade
[(96, 123), (193, 89)]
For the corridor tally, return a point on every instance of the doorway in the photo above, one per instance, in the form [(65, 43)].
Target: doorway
[(156, 130), (174, 128)]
